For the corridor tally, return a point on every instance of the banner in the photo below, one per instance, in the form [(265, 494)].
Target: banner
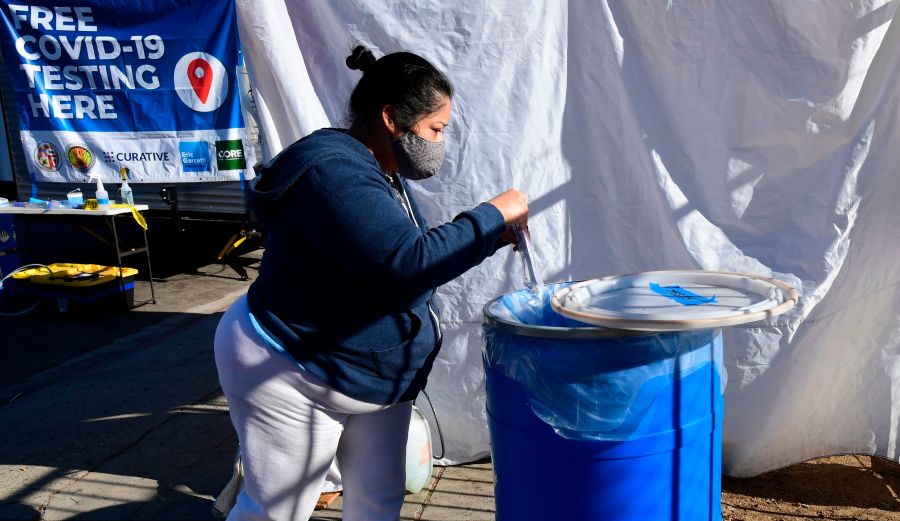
[(150, 86)]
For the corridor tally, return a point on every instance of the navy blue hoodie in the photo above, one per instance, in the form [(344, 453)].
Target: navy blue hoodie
[(347, 277)]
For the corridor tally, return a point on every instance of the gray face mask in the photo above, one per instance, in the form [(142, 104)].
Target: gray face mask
[(417, 157)]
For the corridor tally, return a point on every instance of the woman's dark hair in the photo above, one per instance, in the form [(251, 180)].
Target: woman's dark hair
[(407, 82)]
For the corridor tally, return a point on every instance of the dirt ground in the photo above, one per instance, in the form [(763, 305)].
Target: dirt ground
[(853, 487)]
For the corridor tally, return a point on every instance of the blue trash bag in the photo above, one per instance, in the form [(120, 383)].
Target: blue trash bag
[(586, 382)]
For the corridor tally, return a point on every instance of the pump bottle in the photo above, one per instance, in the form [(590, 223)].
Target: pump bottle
[(127, 194), (102, 196)]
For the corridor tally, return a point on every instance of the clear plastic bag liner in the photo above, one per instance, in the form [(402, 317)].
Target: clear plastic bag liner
[(590, 388)]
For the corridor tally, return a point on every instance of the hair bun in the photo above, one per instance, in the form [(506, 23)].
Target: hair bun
[(360, 59)]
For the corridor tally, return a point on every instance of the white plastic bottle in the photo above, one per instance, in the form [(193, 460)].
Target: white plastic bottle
[(418, 453), (127, 194), (102, 196)]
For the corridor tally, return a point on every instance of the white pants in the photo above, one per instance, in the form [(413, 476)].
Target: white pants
[(291, 425)]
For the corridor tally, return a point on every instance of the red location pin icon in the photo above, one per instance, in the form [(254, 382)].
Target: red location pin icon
[(200, 75)]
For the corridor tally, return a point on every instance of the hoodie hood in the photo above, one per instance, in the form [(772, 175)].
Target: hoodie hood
[(275, 177)]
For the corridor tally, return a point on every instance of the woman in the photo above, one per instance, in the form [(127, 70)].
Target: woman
[(339, 332)]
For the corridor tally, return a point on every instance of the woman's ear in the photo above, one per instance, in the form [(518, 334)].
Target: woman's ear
[(387, 116)]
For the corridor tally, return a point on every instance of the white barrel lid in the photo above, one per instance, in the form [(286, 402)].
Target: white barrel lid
[(674, 300)]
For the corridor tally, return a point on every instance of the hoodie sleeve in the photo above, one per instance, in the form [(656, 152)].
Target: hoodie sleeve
[(351, 215)]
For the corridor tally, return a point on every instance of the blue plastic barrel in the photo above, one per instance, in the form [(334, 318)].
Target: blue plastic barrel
[(590, 423)]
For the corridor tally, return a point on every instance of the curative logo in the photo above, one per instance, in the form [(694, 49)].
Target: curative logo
[(201, 81), (80, 157), (230, 155), (194, 156), (137, 156), (47, 157)]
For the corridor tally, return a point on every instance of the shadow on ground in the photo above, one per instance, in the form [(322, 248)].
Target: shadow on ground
[(144, 434), (827, 484), (47, 336)]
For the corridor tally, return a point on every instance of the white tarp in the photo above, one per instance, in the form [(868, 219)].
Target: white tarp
[(745, 136)]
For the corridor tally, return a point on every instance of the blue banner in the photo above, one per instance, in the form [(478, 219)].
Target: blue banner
[(150, 86)]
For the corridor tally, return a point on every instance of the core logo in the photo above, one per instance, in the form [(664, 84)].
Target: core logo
[(194, 156), (230, 155), (201, 81), (47, 157)]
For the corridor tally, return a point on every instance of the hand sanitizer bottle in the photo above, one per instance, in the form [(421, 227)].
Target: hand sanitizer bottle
[(102, 196)]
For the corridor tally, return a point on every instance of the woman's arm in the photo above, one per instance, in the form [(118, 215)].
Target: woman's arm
[(350, 215)]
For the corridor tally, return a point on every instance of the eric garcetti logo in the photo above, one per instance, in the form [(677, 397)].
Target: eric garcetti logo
[(194, 156), (201, 81), (230, 155)]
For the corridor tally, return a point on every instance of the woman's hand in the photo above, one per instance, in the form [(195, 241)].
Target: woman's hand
[(513, 205)]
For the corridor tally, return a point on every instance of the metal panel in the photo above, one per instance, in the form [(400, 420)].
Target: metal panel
[(11, 122)]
